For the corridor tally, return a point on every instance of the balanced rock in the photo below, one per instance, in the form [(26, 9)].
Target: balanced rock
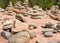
[(20, 17), (54, 13), (11, 13), (20, 26)]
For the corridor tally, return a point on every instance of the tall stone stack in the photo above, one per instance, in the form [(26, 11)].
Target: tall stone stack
[(18, 5), (36, 13), (19, 9)]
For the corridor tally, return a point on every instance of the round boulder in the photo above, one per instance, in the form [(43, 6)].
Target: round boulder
[(5, 34)]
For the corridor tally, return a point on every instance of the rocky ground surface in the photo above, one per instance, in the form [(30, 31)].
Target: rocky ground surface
[(39, 23)]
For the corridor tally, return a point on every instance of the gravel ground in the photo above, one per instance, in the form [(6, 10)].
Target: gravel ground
[(40, 36)]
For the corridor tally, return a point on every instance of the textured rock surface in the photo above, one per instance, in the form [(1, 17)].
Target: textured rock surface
[(48, 30), (20, 17), (21, 37), (48, 34), (5, 34)]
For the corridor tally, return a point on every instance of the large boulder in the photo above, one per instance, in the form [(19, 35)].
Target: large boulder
[(48, 30), (20, 26), (21, 37)]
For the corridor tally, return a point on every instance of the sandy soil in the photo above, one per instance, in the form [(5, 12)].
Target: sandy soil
[(40, 36)]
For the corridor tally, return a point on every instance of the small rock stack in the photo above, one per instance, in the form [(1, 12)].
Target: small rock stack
[(37, 13), (50, 28), (54, 13)]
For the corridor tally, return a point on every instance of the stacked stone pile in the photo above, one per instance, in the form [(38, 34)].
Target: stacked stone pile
[(50, 28), (54, 13)]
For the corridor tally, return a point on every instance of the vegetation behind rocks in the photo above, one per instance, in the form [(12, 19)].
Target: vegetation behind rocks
[(42, 3)]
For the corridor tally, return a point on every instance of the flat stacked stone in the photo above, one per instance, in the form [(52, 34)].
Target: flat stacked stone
[(48, 34), (7, 24), (48, 29)]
